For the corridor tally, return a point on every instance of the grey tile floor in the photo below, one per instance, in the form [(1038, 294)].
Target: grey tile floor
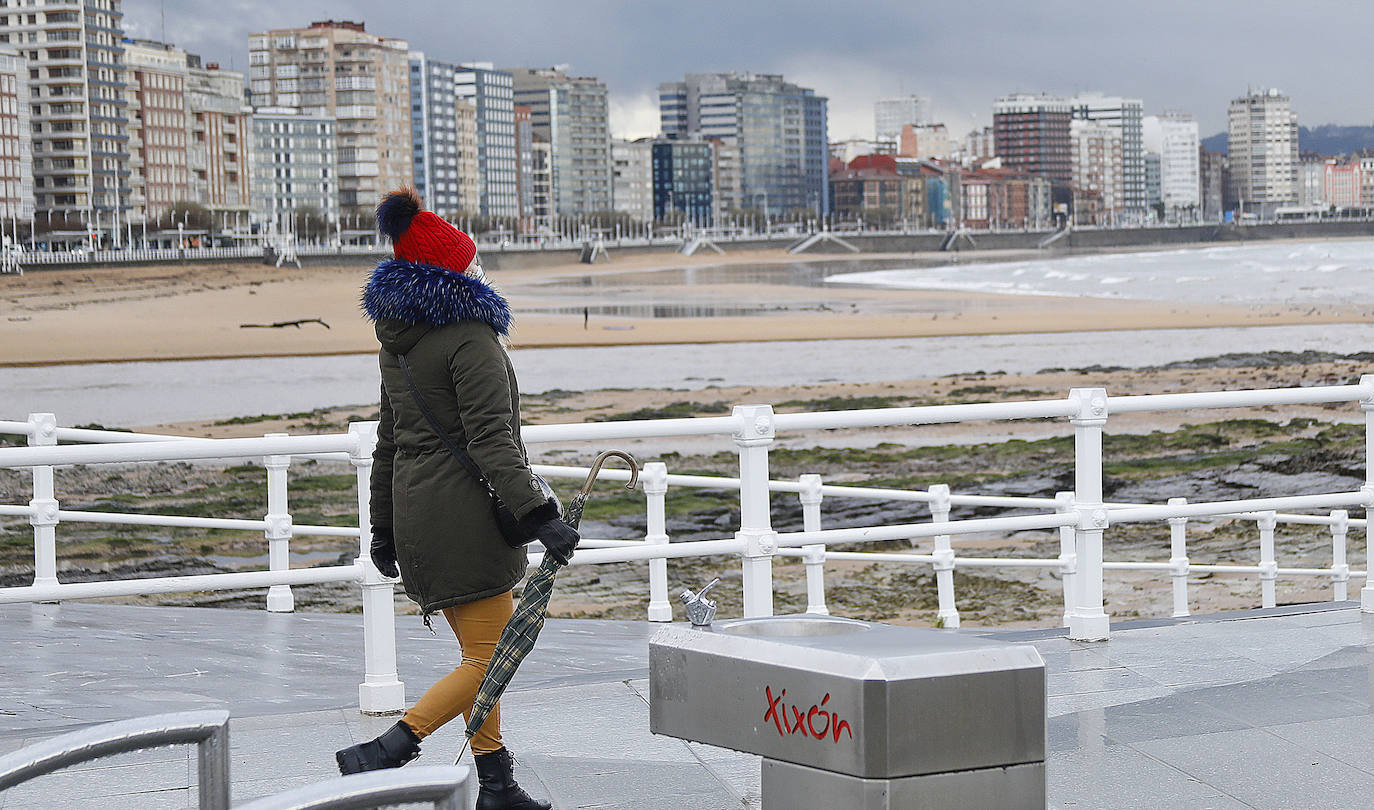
[(1264, 709)]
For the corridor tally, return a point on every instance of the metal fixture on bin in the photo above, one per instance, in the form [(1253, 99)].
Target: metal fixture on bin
[(700, 610)]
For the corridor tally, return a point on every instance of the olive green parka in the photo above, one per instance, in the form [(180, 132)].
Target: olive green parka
[(450, 328)]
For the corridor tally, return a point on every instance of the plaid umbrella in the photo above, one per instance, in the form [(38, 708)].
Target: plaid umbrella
[(522, 631)]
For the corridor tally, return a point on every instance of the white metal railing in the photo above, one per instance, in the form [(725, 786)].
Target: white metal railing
[(1080, 517)]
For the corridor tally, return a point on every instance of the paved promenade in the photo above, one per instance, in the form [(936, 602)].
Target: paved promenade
[(1268, 709)]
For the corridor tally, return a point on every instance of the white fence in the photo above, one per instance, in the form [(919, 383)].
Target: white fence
[(1080, 517)]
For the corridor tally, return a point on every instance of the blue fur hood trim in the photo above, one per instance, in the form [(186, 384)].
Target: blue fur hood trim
[(420, 293)]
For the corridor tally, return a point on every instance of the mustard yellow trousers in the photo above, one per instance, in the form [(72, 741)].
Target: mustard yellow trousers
[(478, 626)]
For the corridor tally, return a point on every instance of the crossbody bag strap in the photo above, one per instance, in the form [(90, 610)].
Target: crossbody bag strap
[(453, 448)]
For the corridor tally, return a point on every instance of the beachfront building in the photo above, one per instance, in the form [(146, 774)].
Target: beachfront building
[(1312, 182), (871, 190), (992, 198), (1098, 178), (683, 172), (187, 134), (891, 114), (294, 157), (434, 135), (1342, 182), (634, 177), (491, 92), (16, 155), (541, 210), (524, 175), (77, 87), (1154, 198), (1213, 180), (571, 115), (1174, 137), (779, 129), (980, 144), (158, 176), (336, 69), (1032, 135), (1125, 116), (467, 155), (1262, 150)]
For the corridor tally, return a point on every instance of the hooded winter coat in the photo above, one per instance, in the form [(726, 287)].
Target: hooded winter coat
[(449, 326)]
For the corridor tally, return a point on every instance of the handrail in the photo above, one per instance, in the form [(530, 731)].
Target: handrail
[(209, 730), (447, 787)]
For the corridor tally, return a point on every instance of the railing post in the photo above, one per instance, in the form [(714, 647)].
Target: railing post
[(278, 531), (1340, 571), (1268, 567), (1178, 558), (1367, 405), (754, 433), (43, 433), (813, 555), (654, 479), (1068, 556), (381, 691), (1089, 622), (948, 614)]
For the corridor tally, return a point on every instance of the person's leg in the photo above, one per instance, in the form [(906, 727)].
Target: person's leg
[(477, 626)]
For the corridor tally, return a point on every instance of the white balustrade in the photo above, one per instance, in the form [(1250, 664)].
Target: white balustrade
[(278, 530), (1178, 558), (813, 556), (654, 479)]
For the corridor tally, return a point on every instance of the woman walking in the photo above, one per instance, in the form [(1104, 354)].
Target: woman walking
[(444, 369)]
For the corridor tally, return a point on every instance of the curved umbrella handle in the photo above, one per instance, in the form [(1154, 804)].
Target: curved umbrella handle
[(596, 470)]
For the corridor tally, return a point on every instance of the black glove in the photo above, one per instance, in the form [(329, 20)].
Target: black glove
[(383, 552), (558, 538)]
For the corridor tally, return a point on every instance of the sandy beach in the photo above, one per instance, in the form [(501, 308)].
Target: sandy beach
[(220, 311)]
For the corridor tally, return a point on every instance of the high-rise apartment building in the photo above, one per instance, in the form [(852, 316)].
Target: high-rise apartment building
[(1174, 137), (492, 93), (467, 156), (1032, 135), (77, 87), (524, 145), (891, 114), (434, 135), (187, 132), (1124, 115), (1213, 179), (158, 177), (1312, 181), (1097, 173), (570, 114), (980, 143), (294, 166), (1342, 182), (1263, 151), (362, 80), (16, 155), (634, 178), (779, 129), (542, 210), (683, 173), (1154, 197)]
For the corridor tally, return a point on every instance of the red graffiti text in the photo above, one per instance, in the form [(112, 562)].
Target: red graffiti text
[(817, 722)]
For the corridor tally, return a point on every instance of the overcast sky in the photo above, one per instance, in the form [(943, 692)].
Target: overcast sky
[(1173, 54)]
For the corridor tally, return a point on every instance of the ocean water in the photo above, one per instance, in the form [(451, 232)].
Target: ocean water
[(1311, 273), (137, 394)]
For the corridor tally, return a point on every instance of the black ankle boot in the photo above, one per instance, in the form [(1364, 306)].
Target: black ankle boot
[(397, 746), (498, 790)]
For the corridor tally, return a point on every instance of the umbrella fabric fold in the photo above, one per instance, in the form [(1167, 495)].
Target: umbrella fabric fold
[(522, 631)]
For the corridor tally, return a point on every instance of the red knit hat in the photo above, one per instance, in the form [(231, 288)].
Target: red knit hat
[(423, 237)]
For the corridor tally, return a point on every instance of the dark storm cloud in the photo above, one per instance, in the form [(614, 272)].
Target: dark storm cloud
[(1174, 54)]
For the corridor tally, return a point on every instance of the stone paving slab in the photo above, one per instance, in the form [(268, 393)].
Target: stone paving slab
[(1262, 709)]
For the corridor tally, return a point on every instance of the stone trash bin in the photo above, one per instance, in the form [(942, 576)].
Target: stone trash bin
[(852, 715)]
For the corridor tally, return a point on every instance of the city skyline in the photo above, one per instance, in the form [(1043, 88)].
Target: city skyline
[(1183, 57)]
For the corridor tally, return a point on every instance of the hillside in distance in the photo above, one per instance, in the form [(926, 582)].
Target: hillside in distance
[(1327, 139)]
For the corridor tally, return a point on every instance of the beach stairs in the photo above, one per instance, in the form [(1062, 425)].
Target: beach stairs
[(592, 251), (1054, 237), (952, 239), (819, 238), (696, 243)]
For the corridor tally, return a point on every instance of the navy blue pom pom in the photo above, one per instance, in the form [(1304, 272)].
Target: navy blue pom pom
[(395, 212)]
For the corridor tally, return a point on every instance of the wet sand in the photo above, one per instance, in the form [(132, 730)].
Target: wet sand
[(220, 311)]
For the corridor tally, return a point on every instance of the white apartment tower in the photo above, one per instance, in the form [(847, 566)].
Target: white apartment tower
[(77, 86), (891, 114), (361, 80), (1098, 176), (1174, 137), (16, 155), (1124, 115), (1263, 151)]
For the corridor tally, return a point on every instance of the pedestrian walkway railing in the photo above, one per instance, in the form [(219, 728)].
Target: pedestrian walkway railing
[(1080, 517), (207, 730), (446, 788)]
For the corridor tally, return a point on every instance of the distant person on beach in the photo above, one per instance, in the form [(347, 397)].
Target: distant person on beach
[(444, 368)]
